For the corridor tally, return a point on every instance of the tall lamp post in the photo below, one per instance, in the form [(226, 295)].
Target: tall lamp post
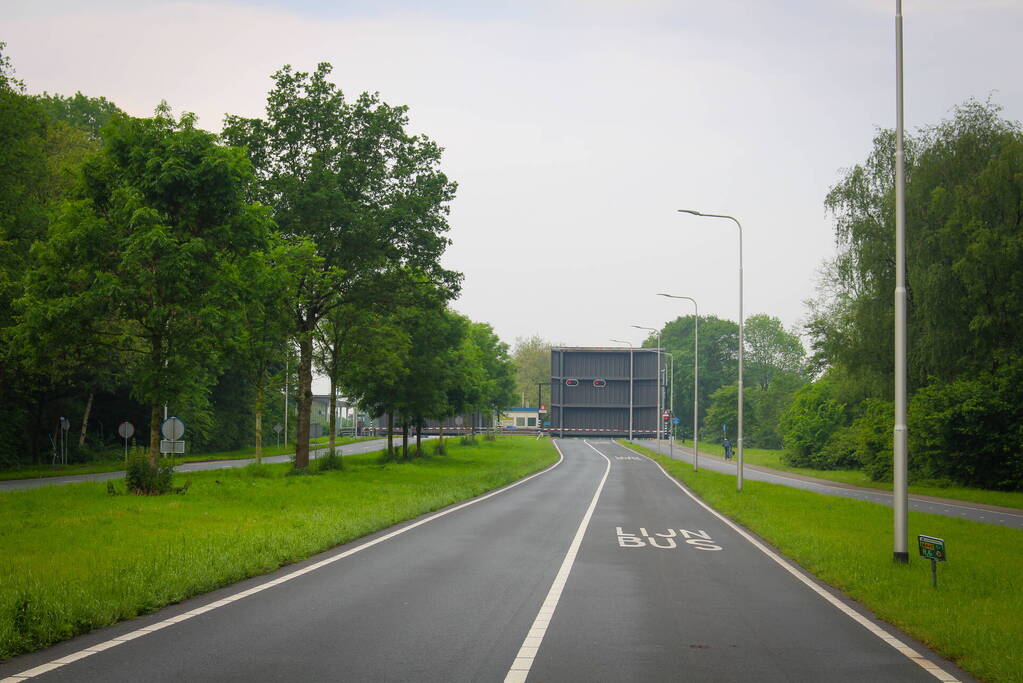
[(900, 502), (696, 380), (742, 327), (619, 341), (671, 405), (657, 417)]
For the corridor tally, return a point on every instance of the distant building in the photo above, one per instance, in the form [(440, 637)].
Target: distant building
[(519, 418)]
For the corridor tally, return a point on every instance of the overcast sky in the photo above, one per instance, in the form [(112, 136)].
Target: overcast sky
[(576, 128)]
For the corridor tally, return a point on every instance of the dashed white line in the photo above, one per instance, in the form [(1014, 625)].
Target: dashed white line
[(534, 637)]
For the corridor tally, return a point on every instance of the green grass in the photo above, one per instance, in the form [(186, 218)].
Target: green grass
[(75, 559), (774, 460), (973, 617), (116, 463)]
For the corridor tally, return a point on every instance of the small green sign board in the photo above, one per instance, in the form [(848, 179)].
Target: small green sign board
[(932, 548)]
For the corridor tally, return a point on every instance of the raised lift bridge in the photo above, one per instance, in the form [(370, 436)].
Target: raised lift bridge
[(598, 391)]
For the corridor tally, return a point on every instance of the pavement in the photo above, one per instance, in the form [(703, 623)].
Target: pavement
[(600, 568), (199, 466), (947, 507)]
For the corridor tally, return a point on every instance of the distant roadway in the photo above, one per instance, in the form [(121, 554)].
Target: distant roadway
[(347, 449), (962, 509), (601, 568)]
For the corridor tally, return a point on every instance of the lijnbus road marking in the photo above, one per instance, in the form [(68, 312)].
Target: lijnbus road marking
[(700, 540), (924, 663), (146, 630), (527, 653)]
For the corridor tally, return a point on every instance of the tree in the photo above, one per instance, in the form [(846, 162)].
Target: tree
[(498, 390), (532, 359), (143, 256), (348, 177), (770, 351)]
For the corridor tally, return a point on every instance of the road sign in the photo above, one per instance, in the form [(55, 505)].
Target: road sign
[(172, 429), (278, 428), (675, 420), (126, 430), (459, 421), (546, 424), (65, 424), (170, 446), (932, 548)]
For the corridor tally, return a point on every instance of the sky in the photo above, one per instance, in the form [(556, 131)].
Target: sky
[(576, 128)]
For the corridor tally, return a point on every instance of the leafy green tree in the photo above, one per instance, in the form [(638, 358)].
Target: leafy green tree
[(89, 114), (770, 351), (144, 256), (348, 177), (532, 359)]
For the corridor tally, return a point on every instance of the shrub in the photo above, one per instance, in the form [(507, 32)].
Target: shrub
[(873, 439), (144, 479), (808, 425), (330, 461)]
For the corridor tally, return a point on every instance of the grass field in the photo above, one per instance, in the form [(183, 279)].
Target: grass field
[(75, 558), (116, 462), (773, 459), (972, 617)]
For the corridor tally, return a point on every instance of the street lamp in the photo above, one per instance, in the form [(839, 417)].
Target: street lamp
[(900, 500), (696, 379), (619, 341), (742, 341), (671, 405), (657, 417)]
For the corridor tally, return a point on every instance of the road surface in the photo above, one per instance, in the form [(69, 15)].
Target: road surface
[(601, 568)]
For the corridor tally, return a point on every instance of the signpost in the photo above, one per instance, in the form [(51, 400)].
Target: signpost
[(65, 425), (172, 429), (278, 428), (126, 430), (934, 550)]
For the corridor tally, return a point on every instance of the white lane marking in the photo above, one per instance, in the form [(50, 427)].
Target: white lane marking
[(93, 649), (527, 653), (888, 638)]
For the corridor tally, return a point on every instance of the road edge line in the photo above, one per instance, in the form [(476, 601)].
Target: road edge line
[(145, 630), (883, 635), (523, 661)]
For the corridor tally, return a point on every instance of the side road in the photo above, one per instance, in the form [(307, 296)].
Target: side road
[(347, 449), (978, 512)]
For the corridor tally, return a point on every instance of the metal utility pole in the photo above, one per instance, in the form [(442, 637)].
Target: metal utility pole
[(742, 339), (658, 418), (631, 374), (696, 380), (900, 501)]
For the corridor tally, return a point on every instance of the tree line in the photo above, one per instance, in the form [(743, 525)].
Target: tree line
[(145, 262)]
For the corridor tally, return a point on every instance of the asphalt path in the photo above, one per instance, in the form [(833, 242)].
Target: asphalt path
[(199, 466), (988, 514), (601, 568)]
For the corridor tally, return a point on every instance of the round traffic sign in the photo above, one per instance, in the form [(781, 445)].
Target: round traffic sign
[(459, 421), (65, 424), (172, 429), (126, 430), (278, 428)]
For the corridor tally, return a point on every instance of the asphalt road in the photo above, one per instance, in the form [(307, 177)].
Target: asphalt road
[(348, 449), (948, 508), (599, 569)]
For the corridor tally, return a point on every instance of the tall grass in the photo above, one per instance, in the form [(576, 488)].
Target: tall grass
[(972, 617), (74, 558)]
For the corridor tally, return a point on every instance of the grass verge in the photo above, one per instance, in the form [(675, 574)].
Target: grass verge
[(972, 617), (116, 463), (75, 559), (773, 459)]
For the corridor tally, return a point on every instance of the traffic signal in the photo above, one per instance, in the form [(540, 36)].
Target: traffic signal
[(600, 383), (571, 382)]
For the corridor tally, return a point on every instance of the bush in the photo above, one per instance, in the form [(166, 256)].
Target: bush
[(144, 479), (970, 430), (330, 461), (873, 438), (468, 440), (809, 424)]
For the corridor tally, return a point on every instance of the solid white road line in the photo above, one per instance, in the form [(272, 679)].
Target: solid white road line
[(888, 638), (534, 637), (113, 642)]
